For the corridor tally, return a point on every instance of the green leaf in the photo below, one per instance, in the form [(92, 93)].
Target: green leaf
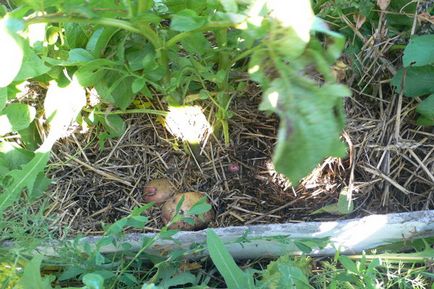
[(344, 206), (99, 40), (186, 20), (418, 80), (311, 121), (348, 264), (12, 156), (32, 275), (178, 279), (16, 116), (116, 88), (419, 51), (138, 84), (32, 65), (230, 5), (234, 277), (74, 35), (286, 273), (21, 178), (200, 207), (93, 281), (426, 107), (79, 55), (114, 124), (11, 55), (93, 72)]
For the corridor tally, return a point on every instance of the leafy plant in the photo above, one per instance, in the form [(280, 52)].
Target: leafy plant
[(128, 49), (416, 78)]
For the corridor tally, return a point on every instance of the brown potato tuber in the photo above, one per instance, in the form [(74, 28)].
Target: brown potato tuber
[(190, 199), (158, 191)]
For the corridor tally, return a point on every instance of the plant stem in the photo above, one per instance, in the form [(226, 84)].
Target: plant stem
[(147, 32), (143, 5)]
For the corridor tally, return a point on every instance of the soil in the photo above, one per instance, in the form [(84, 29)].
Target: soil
[(97, 185)]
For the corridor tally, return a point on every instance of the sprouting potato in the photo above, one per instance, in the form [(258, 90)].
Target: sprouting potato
[(158, 191), (190, 199)]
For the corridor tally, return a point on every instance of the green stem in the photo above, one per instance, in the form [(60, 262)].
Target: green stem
[(148, 33), (210, 26), (143, 5)]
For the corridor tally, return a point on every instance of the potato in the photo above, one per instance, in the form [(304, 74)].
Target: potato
[(190, 199), (158, 191)]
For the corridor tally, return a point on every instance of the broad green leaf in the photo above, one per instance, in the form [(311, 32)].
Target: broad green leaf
[(138, 84), (79, 55), (16, 116), (419, 51), (11, 55), (32, 275), (418, 80), (32, 65), (93, 281), (40, 186), (74, 35), (186, 20), (93, 72), (114, 124), (234, 277), (116, 88), (99, 40), (196, 42), (426, 107), (62, 105), (310, 125)]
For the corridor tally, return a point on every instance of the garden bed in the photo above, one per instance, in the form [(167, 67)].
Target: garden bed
[(95, 186)]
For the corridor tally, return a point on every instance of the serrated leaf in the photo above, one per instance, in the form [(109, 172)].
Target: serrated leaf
[(11, 55), (419, 80), (32, 275), (21, 178), (15, 117), (419, 51), (234, 277), (12, 156), (186, 20)]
